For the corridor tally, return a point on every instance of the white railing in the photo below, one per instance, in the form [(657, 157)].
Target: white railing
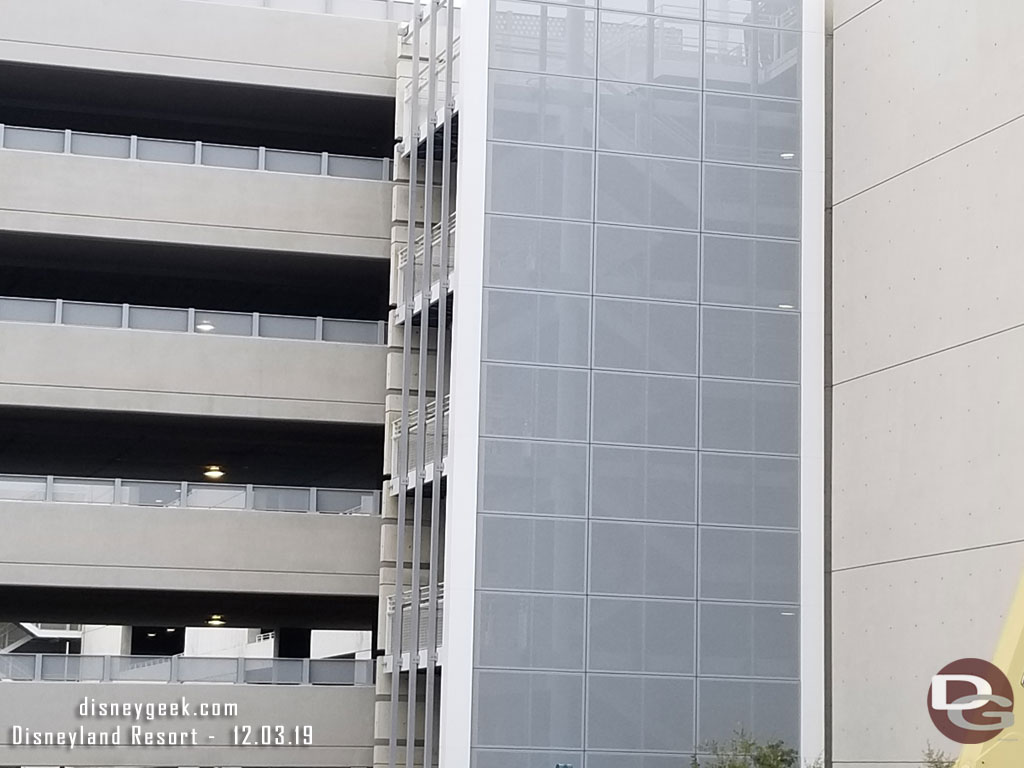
[(156, 493), (431, 427), (184, 669), (199, 321), (419, 251), (442, 72), (193, 153), (424, 629)]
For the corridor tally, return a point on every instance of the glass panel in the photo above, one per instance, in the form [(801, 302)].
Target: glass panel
[(528, 709), (158, 319), (210, 496), (744, 344), (279, 327), (530, 253), (536, 328), (73, 490), (687, 8), (540, 109), (540, 181), (747, 60), (739, 416), (351, 331), (646, 49), (534, 478), (329, 501), (535, 402), (640, 713), (637, 484), (146, 494), (207, 670), (633, 760), (649, 121), (332, 671), (98, 145), (752, 201), (28, 310), (231, 157), (764, 710), (739, 129), (162, 151), (223, 323), (154, 669), (94, 315), (292, 162), (17, 667), (281, 499), (779, 14), (34, 139), (72, 668), (534, 37), (355, 167), (529, 631), (751, 273), (642, 559), (531, 553), (654, 636), (646, 263), (749, 564), (519, 758), (645, 410), (22, 488), (649, 191), (642, 336), (276, 671), (749, 640), (749, 490)]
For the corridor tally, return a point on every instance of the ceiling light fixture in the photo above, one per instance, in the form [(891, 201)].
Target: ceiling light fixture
[(213, 472), (787, 155), (172, 629), (216, 620), (787, 613), (785, 306), (151, 634), (205, 326)]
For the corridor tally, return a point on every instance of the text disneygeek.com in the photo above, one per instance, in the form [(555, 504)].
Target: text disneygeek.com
[(135, 735)]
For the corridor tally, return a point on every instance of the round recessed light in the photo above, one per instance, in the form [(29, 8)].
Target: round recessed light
[(205, 326), (213, 472)]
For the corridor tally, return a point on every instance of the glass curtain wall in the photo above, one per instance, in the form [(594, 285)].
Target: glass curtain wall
[(638, 552)]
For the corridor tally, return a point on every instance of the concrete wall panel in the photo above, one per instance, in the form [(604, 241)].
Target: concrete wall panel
[(197, 205), (206, 41), (102, 546), (129, 370)]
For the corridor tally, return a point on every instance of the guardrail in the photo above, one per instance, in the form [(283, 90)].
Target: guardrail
[(419, 255), (424, 629), (45, 667), (193, 153), (156, 493), (199, 321), (430, 422)]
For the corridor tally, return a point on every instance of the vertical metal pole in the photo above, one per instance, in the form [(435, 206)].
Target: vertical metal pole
[(421, 392), (403, 442), (439, 392)]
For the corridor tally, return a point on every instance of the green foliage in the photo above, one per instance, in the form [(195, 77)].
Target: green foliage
[(744, 751), (936, 758)]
